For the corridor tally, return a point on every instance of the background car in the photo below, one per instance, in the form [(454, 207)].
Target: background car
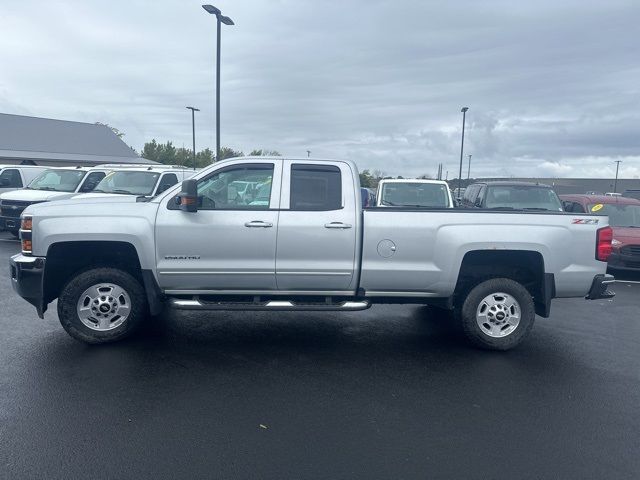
[(511, 196), (632, 194), (416, 193), (14, 177), (51, 184), (624, 218)]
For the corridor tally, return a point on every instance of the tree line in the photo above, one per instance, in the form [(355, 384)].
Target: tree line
[(169, 154)]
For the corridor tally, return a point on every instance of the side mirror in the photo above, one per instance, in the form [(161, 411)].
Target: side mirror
[(478, 202), (189, 196)]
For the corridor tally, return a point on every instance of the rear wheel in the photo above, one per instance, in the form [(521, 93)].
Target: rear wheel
[(102, 305), (497, 314)]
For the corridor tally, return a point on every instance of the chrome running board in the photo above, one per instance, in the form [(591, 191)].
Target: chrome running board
[(272, 305)]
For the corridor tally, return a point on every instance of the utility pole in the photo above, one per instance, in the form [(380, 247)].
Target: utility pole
[(615, 185), (193, 131), (464, 116)]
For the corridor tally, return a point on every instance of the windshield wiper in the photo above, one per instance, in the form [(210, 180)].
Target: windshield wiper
[(96, 190), (501, 208), (123, 192), (48, 189), (537, 209), (388, 203)]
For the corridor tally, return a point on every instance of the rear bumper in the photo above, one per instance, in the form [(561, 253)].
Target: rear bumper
[(599, 287), (27, 274), (624, 262)]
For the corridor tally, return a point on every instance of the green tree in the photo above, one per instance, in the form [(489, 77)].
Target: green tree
[(264, 153), (366, 179), (227, 152), (118, 133), (204, 158), (151, 150)]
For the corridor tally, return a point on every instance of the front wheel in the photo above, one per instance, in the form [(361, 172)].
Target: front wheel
[(102, 305), (497, 314)]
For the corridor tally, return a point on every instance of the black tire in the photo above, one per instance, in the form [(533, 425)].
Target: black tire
[(466, 314), (70, 296)]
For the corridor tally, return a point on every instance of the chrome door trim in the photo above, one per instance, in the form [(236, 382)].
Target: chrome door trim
[(333, 293), (212, 272), (280, 272)]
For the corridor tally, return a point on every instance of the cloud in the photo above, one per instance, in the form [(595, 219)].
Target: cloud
[(553, 87)]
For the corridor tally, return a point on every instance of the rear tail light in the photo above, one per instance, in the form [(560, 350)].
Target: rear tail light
[(604, 237)]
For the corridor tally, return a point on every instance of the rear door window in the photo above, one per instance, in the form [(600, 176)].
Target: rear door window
[(315, 187)]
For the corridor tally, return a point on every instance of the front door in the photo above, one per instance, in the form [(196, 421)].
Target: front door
[(317, 231), (229, 244)]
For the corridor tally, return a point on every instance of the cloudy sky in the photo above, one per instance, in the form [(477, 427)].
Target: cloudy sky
[(553, 87)]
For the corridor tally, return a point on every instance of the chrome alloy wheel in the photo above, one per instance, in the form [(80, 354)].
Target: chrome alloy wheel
[(498, 315), (104, 307)]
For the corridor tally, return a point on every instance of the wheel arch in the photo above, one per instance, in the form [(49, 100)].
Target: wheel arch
[(66, 259), (523, 266)]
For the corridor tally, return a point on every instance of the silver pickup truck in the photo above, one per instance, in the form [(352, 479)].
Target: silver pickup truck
[(290, 234)]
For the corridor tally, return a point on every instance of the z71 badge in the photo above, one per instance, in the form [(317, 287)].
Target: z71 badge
[(182, 257), (585, 221)]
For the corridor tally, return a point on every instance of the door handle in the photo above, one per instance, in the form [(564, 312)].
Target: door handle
[(258, 224), (337, 225)]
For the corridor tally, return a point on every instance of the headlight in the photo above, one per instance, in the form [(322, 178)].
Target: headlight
[(26, 232)]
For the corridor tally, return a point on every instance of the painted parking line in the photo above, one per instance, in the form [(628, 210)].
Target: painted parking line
[(9, 241)]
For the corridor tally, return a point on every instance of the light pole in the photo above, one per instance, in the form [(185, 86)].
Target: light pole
[(308, 153), (615, 184), (193, 131), (227, 21), (469, 168), (464, 115)]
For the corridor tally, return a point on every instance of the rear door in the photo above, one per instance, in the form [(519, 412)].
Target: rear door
[(317, 227)]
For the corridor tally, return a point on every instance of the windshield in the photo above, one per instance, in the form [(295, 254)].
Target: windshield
[(58, 180), (620, 215), (415, 195), (522, 197), (128, 183)]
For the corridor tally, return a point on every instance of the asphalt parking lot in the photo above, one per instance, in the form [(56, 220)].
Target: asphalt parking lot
[(392, 392)]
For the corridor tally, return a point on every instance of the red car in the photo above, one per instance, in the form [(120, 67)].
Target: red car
[(624, 217)]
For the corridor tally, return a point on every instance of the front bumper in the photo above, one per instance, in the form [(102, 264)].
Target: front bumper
[(599, 287), (27, 275), (10, 223)]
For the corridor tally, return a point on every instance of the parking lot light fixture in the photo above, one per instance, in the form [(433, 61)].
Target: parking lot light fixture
[(220, 19)]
